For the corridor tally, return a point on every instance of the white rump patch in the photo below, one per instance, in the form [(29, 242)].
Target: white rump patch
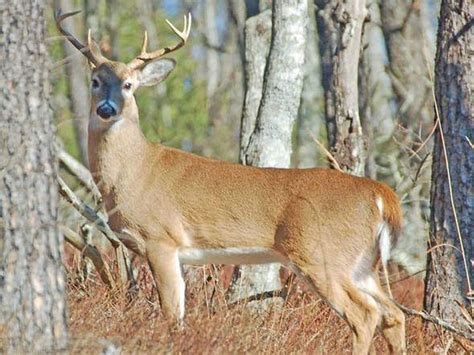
[(233, 256), (379, 203), (383, 233), (384, 242)]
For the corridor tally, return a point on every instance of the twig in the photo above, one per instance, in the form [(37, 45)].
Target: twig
[(87, 212), (425, 141), (90, 252), (469, 141), (123, 261), (436, 320), (81, 173), (327, 153)]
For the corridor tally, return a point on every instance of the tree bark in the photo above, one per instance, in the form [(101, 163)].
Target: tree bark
[(212, 55), (271, 107), (258, 32), (340, 29), (32, 292), (376, 98), (78, 89), (405, 24), (311, 112), (449, 276), (270, 142)]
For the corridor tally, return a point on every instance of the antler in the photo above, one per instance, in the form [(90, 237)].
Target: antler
[(145, 57), (91, 51)]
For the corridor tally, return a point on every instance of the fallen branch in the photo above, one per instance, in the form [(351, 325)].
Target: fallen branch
[(81, 173), (88, 212), (91, 252), (436, 321), (123, 261)]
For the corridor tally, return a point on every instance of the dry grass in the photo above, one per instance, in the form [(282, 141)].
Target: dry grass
[(305, 324)]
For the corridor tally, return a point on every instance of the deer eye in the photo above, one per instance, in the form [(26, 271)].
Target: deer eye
[(127, 86), (95, 83)]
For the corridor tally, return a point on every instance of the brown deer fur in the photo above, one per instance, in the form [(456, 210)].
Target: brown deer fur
[(172, 207)]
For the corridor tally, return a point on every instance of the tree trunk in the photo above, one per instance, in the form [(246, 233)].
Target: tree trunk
[(270, 112), (449, 276), (78, 89), (311, 112), (270, 142), (258, 32), (32, 292), (212, 54), (376, 97), (405, 24), (340, 29)]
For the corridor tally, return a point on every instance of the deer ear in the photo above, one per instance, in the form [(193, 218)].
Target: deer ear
[(156, 72)]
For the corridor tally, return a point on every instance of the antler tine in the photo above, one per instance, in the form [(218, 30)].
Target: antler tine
[(145, 57), (145, 43), (94, 58)]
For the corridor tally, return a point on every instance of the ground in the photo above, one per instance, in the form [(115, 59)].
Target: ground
[(305, 324)]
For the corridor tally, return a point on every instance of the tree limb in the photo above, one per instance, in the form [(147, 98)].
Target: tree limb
[(91, 252), (436, 320), (81, 173), (88, 212)]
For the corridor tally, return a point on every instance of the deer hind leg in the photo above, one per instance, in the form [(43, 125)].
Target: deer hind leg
[(359, 310), (393, 319), (393, 328), (166, 269)]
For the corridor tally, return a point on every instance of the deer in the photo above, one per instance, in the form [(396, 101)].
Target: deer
[(172, 207)]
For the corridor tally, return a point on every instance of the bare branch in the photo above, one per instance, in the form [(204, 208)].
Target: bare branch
[(91, 252), (436, 320), (88, 212), (81, 173)]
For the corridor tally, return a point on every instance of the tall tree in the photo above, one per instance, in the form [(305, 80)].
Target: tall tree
[(213, 62), (449, 276), (269, 114), (78, 90), (340, 31), (311, 112), (406, 27), (376, 97), (405, 24), (33, 309)]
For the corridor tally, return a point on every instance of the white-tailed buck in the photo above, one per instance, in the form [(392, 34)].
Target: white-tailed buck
[(174, 207)]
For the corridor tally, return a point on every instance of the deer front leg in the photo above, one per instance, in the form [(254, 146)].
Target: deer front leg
[(166, 269)]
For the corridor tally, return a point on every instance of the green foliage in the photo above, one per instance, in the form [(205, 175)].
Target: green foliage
[(175, 112)]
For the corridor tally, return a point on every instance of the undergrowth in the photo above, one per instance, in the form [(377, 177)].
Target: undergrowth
[(101, 320)]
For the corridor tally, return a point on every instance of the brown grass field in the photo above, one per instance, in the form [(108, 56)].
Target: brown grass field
[(304, 324)]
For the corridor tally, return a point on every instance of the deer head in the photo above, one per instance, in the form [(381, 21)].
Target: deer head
[(113, 83)]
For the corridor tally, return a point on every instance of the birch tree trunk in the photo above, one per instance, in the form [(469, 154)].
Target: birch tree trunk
[(449, 276), (270, 112), (340, 29), (33, 309)]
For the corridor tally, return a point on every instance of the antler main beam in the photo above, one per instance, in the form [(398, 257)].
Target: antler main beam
[(145, 57), (91, 51)]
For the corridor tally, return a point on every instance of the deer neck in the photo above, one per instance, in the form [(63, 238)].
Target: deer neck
[(115, 148)]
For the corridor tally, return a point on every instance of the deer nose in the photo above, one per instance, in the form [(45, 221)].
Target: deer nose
[(106, 110)]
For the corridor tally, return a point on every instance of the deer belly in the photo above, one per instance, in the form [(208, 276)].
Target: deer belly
[(233, 256)]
